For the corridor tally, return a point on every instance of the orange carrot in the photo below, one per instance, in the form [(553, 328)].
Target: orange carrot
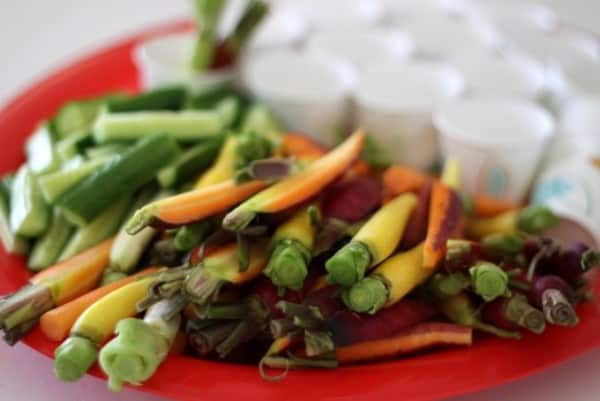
[(422, 336), (297, 188), (488, 206), (77, 275), (301, 146), (57, 323), (399, 179), (193, 205), (54, 286), (445, 212)]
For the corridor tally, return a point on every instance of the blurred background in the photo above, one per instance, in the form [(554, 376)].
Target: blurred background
[(39, 36)]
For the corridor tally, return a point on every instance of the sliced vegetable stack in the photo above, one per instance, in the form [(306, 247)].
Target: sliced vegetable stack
[(167, 215)]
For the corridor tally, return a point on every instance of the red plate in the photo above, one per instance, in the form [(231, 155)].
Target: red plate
[(426, 377)]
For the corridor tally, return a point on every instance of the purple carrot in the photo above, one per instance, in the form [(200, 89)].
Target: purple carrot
[(514, 313), (347, 327), (573, 262), (555, 296), (416, 228)]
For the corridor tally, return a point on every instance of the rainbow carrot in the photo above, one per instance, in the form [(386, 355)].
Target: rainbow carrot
[(444, 216), (488, 206), (54, 286), (299, 187), (56, 323), (422, 336), (399, 179), (193, 205)]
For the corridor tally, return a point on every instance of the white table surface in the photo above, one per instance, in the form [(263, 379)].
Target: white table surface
[(36, 36)]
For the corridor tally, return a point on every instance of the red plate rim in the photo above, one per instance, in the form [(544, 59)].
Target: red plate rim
[(432, 376)]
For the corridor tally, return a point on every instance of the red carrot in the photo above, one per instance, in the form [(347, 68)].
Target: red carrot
[(419, 337), (444, 216), (347, 327), (416, 230)]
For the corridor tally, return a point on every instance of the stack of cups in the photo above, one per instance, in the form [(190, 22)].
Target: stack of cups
[(308, 94), (570, 179), (395, 101)]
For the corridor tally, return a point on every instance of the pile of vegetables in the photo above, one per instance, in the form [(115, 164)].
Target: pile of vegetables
[(166, 222)]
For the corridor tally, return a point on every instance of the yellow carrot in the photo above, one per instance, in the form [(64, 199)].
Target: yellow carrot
[(299, 187), (193, 205), (223, 266), (94, 326), (57, 323), (224, 167), (375, 241), (292, 246), (389, 283)]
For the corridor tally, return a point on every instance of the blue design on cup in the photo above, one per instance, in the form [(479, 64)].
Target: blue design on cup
[(551, 188), (496, 182)]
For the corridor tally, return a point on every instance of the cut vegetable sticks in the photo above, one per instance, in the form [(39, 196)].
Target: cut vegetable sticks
[(57, 323), (299, 187), (193, 205), (422, 336), (444, 216)]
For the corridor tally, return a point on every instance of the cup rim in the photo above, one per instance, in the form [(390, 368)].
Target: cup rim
[(396, 43), (340, 71), (528, 69), (144, 58), (452, 130), (444, 71)]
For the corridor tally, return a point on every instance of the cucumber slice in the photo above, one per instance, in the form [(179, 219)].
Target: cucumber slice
[(183, 126), (121, 176), (29, 214), (41, 155), (47, 248), (99, 229)]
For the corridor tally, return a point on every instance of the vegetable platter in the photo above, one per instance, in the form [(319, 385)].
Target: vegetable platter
[(366, 286)]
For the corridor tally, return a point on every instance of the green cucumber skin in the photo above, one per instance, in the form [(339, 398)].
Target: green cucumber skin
[(229, 109), (48, 248), (167, 98), (121, 176), (41, 153), (105, 150), (185, 126), (74, 145), (12, 243), (54, 185), (102, 227), (29, 214), (189, 164), (78, 116)]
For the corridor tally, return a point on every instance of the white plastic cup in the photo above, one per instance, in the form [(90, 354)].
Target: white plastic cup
[(501, 74), (571, 189), (499, 143), (334, 14), (395, 101), (505, 13), (578, 135), (440, 35), (165, 61), (361, 46), (308, 94)]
